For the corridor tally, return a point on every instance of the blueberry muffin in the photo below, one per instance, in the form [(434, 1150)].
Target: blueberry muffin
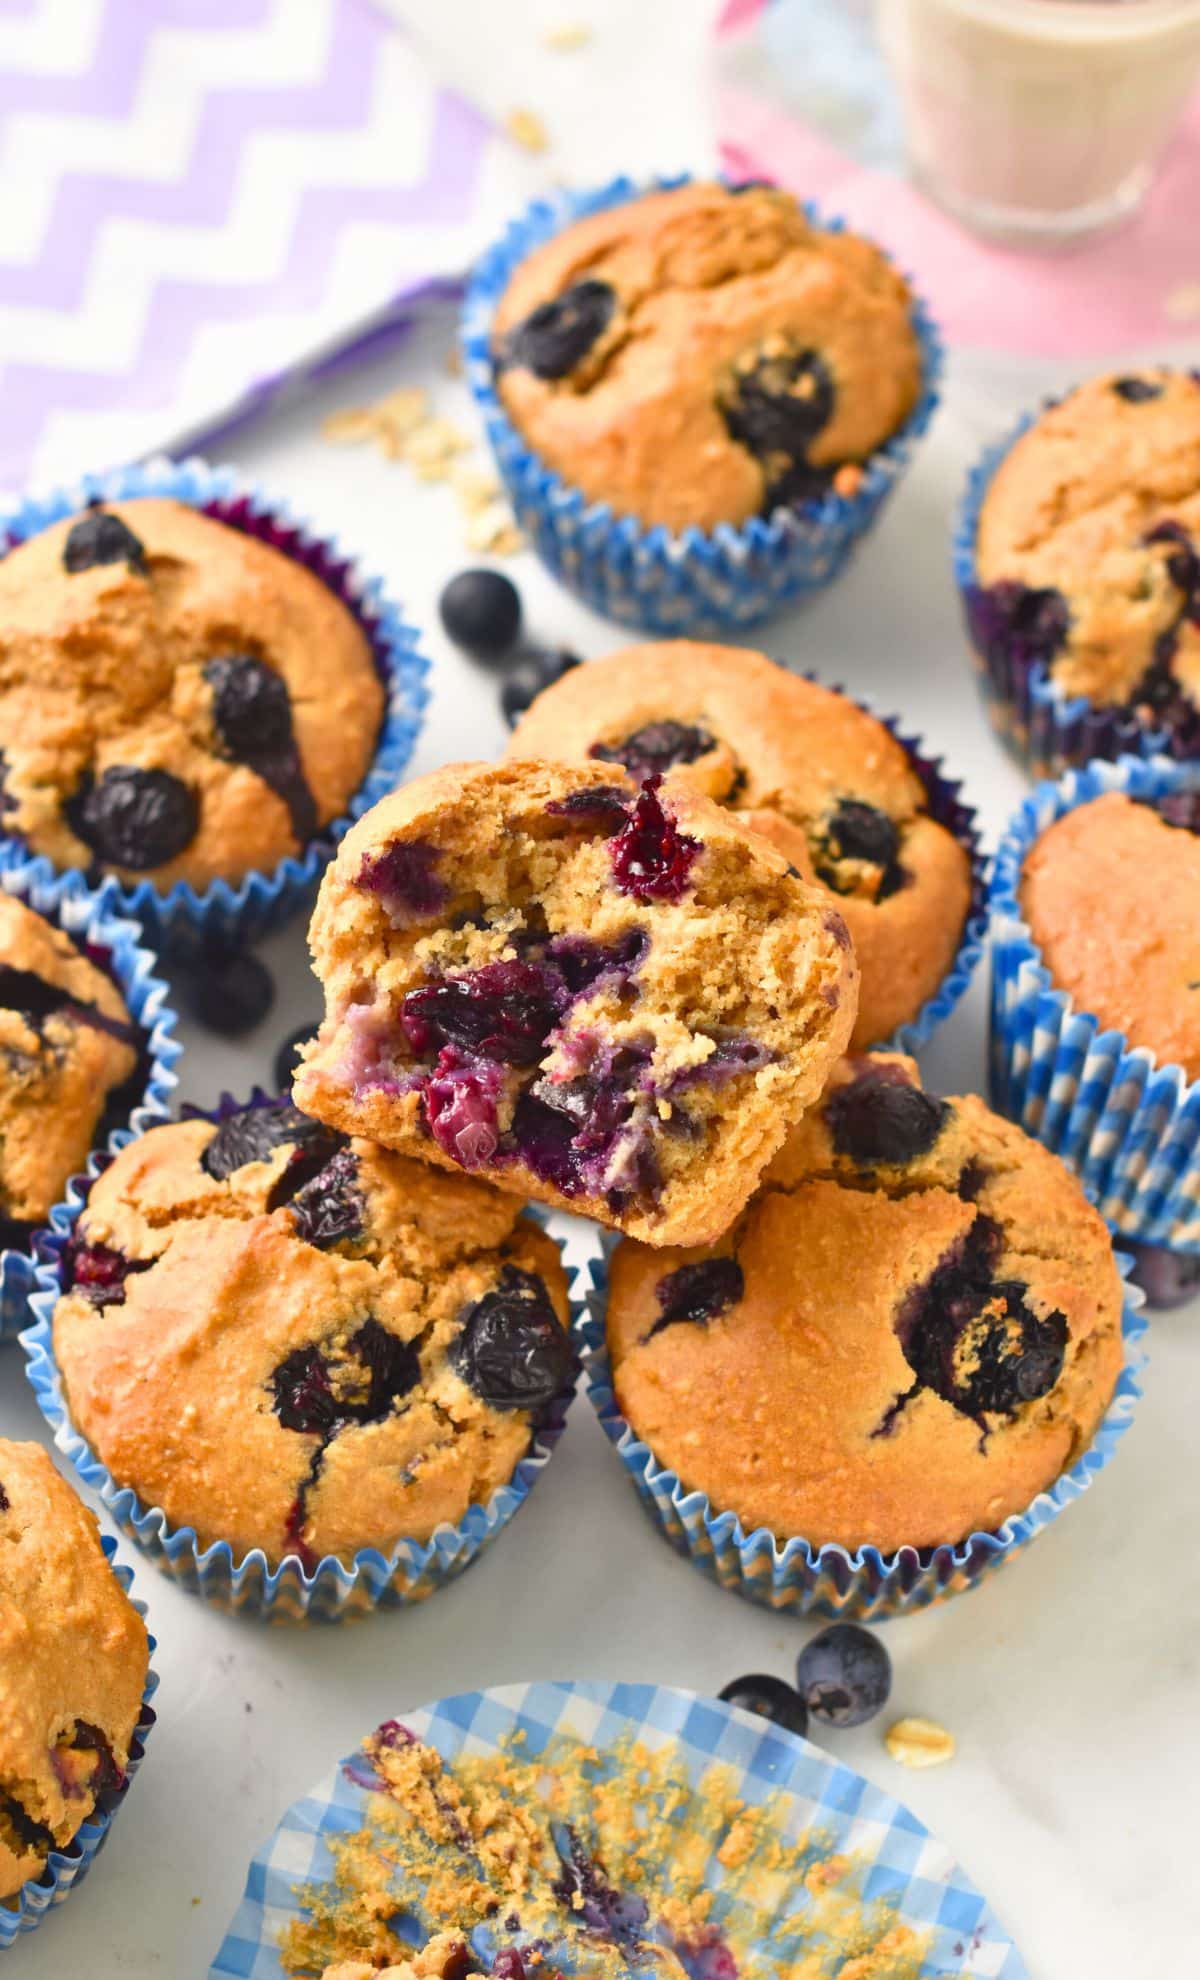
[(1088, 551), (706, 355), (67, 1044), (1111, 893), (178, 700), (73, 1662), (822, 779), (612, 1000), (912, 1331), (292, 1341)]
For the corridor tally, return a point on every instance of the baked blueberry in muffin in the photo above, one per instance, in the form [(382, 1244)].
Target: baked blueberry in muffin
[(911, 1331), (348, 1347), (177, 699), (1088, 553), (67, 1047), (705, 355), (609, 998), (828, 784), (73, 1661)]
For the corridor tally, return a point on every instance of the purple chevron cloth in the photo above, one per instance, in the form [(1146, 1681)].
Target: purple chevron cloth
[(203, 199)]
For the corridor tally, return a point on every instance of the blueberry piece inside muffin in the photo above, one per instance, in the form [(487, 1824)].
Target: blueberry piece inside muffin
[(699, 1293), (880, 1118), (972, 1338), (656, 748), (776, 402), (102, 538), (133, 817), (252, 713), (512, 1351), (1018, 625), (557, 335)]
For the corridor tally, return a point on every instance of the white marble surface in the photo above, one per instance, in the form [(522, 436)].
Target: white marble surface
[(1070, 1680)]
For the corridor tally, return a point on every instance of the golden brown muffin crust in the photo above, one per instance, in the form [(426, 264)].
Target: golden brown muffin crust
[(73, 1661), (833, 1396), (785, 754), (104, 667), (1111, 893), (714, 290)]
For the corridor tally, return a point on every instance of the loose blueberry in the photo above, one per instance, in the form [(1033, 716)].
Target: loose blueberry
[(254, 1133), (405, 880), (973, 1339), (481, 612), (780, 404), (101, 538), (134, 818), (229, 993), (1137, 390), (287, 1058), (769, 1698), (558, 335), (331, 1206), (513, 1351), (650, 857), (879, 1117), (531, 678), (844, 1675), (1015, 626), (699, 1292), (655, 748), (1167, 1278)]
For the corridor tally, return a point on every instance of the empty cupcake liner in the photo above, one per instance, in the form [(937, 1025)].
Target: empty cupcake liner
[(829, 1580), (334, 1589), (65, 1869), (115, 943), (695, 582), (1046, 730), (1128, 1126), (261, 901)]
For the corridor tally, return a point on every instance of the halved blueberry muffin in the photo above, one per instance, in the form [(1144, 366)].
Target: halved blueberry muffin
[(67, 1043), (705, 355), (914, 1328), (73, 1662), (178, 700), (292, 1341), (612, 1000), (823, 780)]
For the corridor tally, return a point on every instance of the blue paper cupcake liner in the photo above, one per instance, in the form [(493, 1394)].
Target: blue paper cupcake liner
[(1128, 1126), (332, 1590), (66, 1869), (115, 944), (795, 1575), (261, 901), (695, 582), (1046, 730)]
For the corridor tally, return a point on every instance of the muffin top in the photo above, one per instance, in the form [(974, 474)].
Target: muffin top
[(823, 780), (291, 1341), (608, 1000), (177, 699), (66, 1042), (915, 1327), (706, 355), (1111, 893), (1088, 548), (73, 1661)]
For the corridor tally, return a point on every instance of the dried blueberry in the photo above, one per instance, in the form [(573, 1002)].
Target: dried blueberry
[(330, 1207), (769, 1698), (558, 335), (699, 1292), (972, 1338), (134, 818), (531, 678), (513, 1351), (287, 1058), (405, 881), (1015, 626), (1168, 1278), (228, 993), (1137, 390), (481, 612), (252, 715), (254, 1133), (102, 538), (650, 857), (655, 748), (503, 1011), (880, 1117), (844, 1675)]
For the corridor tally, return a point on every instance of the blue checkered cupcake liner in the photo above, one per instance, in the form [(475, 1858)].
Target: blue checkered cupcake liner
[(824, 1809), (695, 582), (865, 1585), (261, 901), (65, 1869), (1046, 730), (115, 943), (1128, 1126), (334, 1589)]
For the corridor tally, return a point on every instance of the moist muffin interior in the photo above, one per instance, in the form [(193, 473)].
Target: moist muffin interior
[(912, 1331), (177, 698), (705, 355), (608, 999), (294, 1342)]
